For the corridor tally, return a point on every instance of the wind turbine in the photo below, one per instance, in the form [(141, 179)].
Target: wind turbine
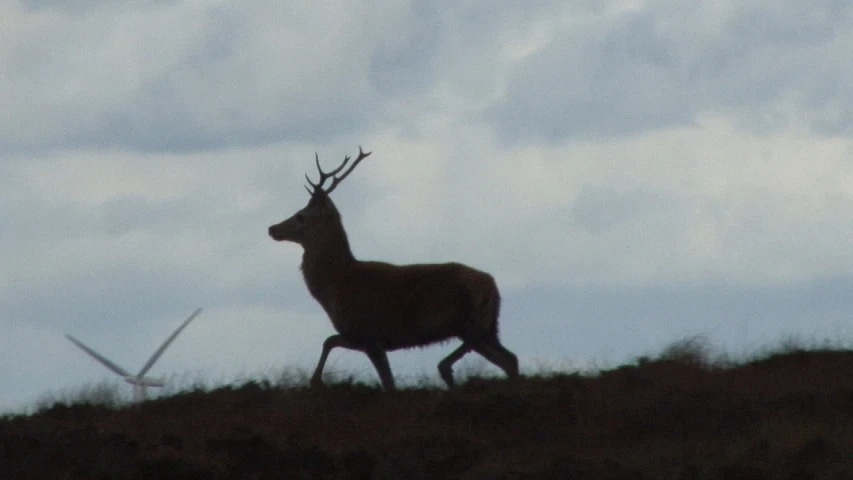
[(139, 381)]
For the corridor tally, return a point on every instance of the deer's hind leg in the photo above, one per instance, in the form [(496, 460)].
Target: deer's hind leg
[(493, 351), (445, 367)]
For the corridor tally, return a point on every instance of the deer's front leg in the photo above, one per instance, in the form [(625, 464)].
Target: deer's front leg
[(379, 359), (330, 343)]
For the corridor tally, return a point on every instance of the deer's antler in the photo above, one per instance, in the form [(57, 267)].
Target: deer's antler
[(318, 187)]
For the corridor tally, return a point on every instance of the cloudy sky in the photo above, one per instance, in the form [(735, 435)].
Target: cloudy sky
[(631, 172)]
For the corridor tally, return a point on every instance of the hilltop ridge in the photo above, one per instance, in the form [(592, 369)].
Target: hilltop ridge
[(788, 415)]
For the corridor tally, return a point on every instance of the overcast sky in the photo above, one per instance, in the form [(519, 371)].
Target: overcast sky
[(631, 172)]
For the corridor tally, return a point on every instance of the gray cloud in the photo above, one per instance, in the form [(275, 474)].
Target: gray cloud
[(666, 65), (84, 7), (230, 75), (598, 209), (243, 75)]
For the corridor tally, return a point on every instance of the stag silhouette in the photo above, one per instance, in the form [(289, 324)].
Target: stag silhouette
[(378, 307)]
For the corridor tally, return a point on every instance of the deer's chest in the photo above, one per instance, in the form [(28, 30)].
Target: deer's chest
[(332, 305)]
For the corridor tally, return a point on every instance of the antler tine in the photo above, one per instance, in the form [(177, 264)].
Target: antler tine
[(316, 186), (325, 175), (337, 180), (335, 171)]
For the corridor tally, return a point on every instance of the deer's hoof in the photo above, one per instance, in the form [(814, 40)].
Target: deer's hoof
[(317, 384)]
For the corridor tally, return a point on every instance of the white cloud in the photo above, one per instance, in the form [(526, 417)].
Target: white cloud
[(706, 202)]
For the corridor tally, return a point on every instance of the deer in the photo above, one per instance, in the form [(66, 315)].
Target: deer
[(378, 307)]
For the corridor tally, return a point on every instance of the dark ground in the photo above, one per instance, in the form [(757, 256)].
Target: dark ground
[(786, 416)]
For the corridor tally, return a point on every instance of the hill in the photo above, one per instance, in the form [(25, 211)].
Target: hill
[(788, 415)]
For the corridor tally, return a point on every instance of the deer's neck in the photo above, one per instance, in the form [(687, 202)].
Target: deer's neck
[(324, 263)]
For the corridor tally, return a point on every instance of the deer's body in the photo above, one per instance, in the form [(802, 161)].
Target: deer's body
[(406, 306), (378, 307)]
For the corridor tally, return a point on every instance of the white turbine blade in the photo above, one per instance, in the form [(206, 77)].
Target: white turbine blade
[(97, 356), (166, 344)]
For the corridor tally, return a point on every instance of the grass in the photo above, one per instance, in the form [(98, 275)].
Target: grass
[(115, 394), (686, 412)]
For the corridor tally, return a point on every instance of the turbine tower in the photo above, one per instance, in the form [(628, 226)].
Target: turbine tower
[(139, 381)]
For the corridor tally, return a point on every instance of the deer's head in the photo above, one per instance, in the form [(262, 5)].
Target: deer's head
[(319, 219)]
